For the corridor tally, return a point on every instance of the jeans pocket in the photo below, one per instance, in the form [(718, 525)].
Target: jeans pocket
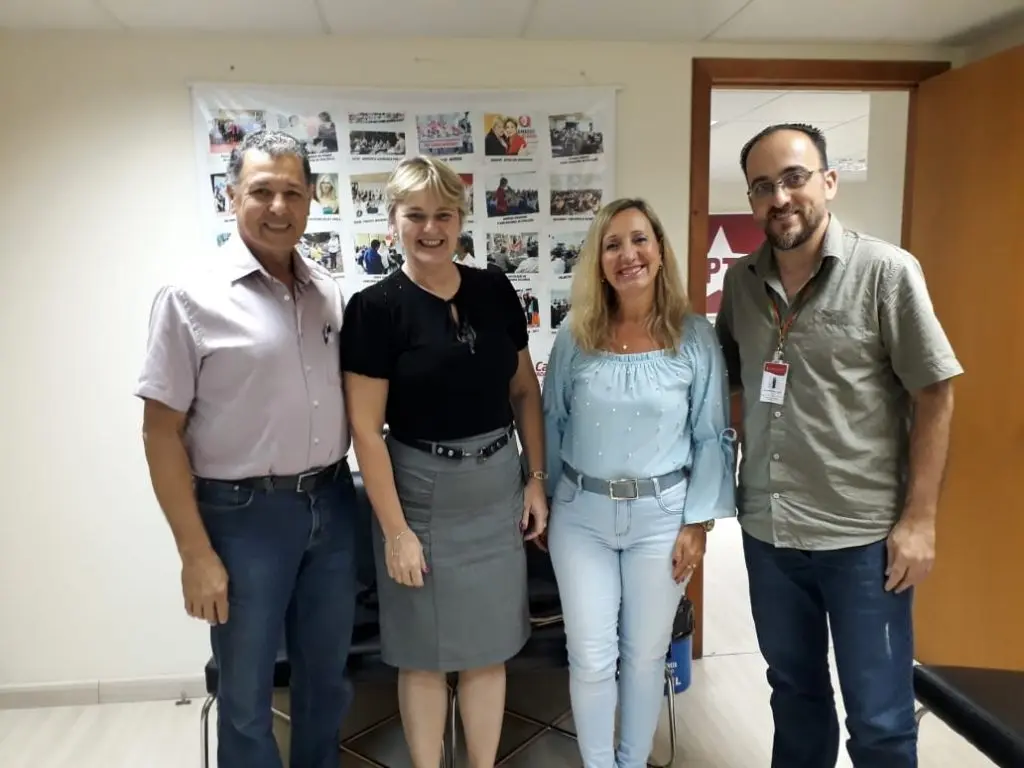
[(673, 500), (216, 497), (565, 492)]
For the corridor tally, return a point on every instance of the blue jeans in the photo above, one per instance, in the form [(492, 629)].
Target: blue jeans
[(613, 563), (291, 574), (795, 597)]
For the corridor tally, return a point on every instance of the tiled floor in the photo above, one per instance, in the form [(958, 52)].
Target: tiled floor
[(723, 720)]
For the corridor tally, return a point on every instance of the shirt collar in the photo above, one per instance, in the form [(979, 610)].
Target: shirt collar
[(763, 264), (240, 262)]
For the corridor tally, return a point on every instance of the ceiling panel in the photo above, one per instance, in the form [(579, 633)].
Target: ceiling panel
[(863, 20), (812, 21), (843, 116), (629, 20), (50, 14), (428, 18), (732, 105), (813, 107), (848, 141), (727, 139), (221, 15)]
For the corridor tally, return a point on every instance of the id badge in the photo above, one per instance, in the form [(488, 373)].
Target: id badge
[(773, 382)]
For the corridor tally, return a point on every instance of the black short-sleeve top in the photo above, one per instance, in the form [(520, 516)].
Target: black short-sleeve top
[(447, 380)]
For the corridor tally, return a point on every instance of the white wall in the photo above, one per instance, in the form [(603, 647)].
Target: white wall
[(873, 206), (98, 207)]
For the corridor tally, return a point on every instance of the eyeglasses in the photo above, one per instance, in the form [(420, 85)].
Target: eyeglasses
[(791, 180)]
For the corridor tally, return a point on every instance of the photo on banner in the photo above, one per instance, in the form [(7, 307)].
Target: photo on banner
[(467, 182), (377, 255), (227, 128), (510, 138), (576, 196), (564, 252), (528, 289), (513, 252), (318, 133), (576, 137), (368, 204), (513, 199), (374, 142), (221, 203), (535, 167), (465, 251), (560, 303), (448, 136), (325, 203), (325, 249)]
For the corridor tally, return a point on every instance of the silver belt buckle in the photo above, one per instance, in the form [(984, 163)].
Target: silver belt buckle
[(627, 484), (303, 476)]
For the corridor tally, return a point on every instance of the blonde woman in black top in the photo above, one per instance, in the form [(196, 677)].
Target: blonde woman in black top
[(438, 352)]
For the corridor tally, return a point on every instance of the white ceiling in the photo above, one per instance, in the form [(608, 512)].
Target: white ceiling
[(910, 21), (737, 115)]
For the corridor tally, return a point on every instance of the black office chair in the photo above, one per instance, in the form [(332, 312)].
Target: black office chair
[(984, 706)]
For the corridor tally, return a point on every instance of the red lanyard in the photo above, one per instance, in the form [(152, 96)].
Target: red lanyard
[(783, 326)]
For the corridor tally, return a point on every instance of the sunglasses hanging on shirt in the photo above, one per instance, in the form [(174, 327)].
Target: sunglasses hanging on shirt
[(464, 332)]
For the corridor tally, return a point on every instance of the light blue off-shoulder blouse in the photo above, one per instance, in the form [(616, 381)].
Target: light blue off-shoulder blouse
[(614, 416)]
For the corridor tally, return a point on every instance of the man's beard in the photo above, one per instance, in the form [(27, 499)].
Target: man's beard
[(795, 237)]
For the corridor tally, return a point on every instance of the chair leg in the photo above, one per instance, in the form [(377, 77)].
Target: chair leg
[(453, 701), (672, 728), (204, 731)]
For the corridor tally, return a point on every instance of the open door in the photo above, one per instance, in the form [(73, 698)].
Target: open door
[(966, 189)]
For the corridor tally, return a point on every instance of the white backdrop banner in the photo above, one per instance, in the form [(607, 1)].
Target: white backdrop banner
[(537, 166)]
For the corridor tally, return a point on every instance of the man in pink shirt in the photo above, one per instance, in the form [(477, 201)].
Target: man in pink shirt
[(246, 438)]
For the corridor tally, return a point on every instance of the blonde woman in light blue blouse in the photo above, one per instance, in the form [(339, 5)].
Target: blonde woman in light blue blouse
[(640, 464)]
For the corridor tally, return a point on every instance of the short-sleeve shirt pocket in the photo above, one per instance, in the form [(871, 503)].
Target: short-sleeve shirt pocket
[(834, 336)]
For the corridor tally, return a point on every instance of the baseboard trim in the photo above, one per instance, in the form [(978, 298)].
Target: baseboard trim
[(153, 689), (102, 692), (49, 695)]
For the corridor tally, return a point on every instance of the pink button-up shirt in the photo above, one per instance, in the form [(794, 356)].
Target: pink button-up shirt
[(256, 368)]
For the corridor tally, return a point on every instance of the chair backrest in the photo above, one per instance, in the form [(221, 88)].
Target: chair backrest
[(365, 571), (543, 586)]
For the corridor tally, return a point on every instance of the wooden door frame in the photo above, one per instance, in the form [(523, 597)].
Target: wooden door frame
[(777, 74)]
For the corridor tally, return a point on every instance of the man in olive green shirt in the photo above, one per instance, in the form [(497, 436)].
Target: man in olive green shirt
[(843, 372)]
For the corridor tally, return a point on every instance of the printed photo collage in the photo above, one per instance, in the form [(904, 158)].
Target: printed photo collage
[(534, 180)]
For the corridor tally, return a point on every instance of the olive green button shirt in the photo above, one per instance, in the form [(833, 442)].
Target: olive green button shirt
[(828, 467)]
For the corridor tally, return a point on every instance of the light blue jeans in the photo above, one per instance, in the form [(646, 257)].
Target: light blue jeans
[(613, 563)]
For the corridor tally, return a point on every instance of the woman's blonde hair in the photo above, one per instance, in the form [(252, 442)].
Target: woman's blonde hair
[(593, 300), (415, 174)]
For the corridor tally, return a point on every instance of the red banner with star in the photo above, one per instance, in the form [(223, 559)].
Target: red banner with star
[(730, 237)]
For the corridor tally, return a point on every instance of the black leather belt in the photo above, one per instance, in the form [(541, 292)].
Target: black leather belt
[(627, 489), (457, 454), (304, 482)]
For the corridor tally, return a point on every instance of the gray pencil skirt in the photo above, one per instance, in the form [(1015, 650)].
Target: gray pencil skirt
[(472, 610)]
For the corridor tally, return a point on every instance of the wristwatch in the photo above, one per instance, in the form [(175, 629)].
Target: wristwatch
[(538, 475), (707, 525)]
